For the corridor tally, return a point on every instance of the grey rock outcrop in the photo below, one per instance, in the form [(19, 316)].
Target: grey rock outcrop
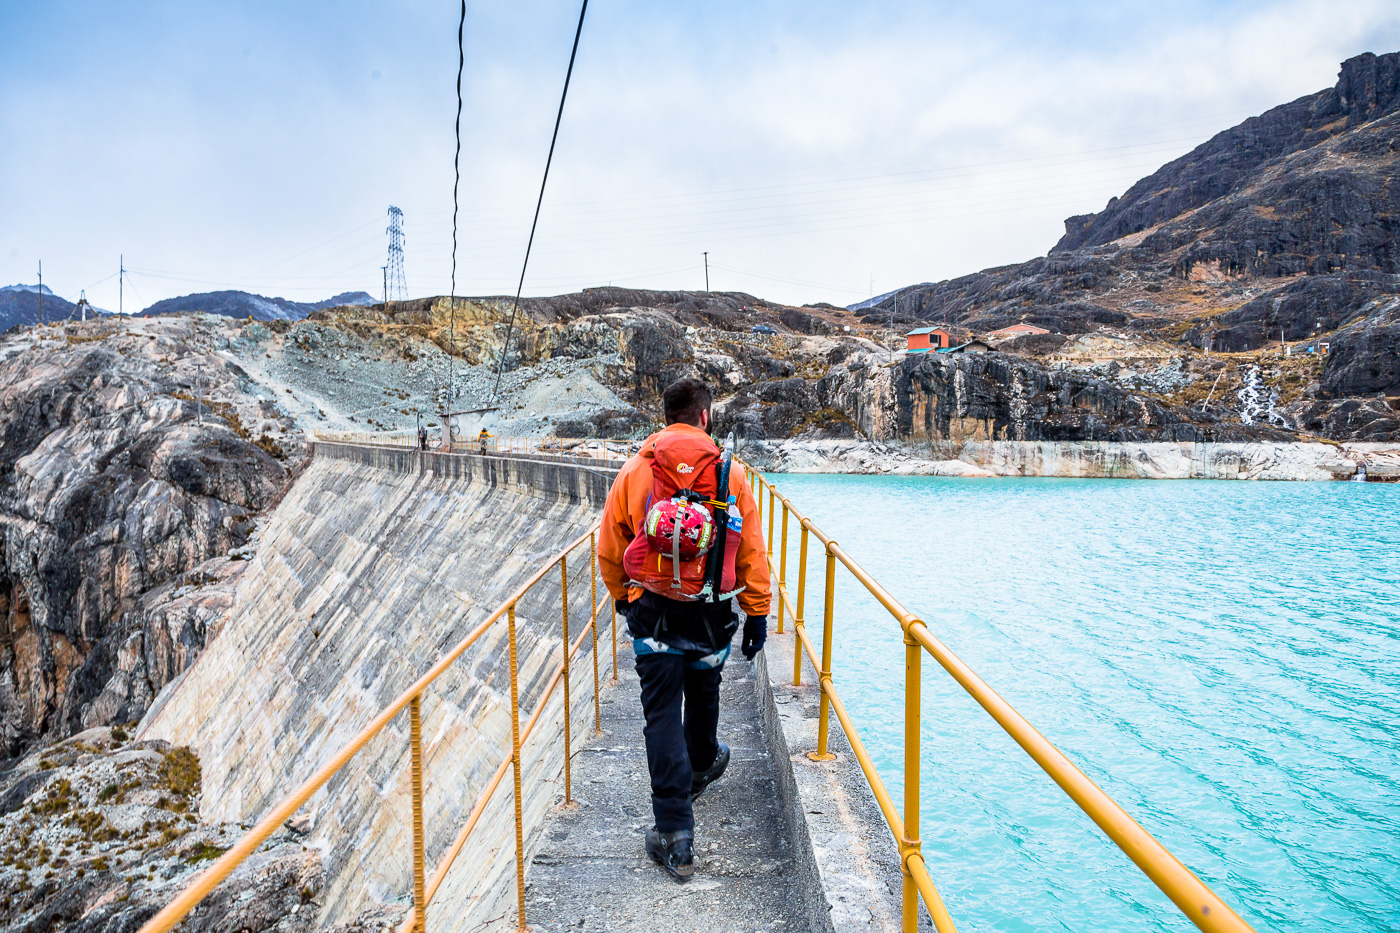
[(99, 832), (1296, 311), (110, 487)]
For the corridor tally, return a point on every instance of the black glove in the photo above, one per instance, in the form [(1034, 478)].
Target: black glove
[(755, 634), (621, 606)]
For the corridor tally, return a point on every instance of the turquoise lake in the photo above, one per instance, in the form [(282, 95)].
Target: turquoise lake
[(1223, 658)]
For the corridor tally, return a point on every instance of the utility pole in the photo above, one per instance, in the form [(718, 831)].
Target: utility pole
[(41, 292), (121, 276), (707, 270), (385, 270)]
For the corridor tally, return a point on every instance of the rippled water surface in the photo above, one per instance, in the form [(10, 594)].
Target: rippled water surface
[(1222, 657)]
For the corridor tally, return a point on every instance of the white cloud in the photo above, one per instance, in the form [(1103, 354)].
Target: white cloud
[(812, 148)]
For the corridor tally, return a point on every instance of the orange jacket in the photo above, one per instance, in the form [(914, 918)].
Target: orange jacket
[(626, 510)]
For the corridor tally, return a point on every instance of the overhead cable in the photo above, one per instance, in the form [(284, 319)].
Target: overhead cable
[(515, 307), (456, 181)]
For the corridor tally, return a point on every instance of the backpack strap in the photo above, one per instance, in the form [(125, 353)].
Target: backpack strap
[(676, 554)]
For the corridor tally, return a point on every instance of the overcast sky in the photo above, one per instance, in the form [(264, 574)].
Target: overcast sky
[(818, 150)]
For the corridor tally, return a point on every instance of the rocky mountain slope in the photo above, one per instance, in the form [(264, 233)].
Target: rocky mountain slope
[(1280, 230), (245, 305), (134, 463)]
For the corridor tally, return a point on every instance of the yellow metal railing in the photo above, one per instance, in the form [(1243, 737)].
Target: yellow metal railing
[(1191, 895), (425, 887), (368, 438), (561, 449)]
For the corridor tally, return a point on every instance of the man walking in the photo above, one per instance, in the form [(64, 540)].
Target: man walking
[(675, 553)]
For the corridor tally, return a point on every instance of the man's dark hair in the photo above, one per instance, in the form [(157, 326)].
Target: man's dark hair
[(685, 399)]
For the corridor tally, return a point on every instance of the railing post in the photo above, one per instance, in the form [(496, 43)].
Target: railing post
[(799, 623), (593, 626), (824, 715), (515, 761), (782, 568), (770, 518), (909, 845), (568, 707), (415, 744)]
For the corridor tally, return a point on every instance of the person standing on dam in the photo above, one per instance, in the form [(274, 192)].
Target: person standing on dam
[(676, 555)]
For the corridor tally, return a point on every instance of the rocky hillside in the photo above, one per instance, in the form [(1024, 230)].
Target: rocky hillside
[(594, 364), (247, 305), (1281, 230), (134, 463)]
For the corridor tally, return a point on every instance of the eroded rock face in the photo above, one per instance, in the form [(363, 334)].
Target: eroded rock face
[(111, 485), (1364, 358), (1374, 419), (1297, 310), (993, 396)]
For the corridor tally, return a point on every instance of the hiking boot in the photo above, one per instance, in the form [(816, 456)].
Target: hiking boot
[(673, 851), (705, 778)]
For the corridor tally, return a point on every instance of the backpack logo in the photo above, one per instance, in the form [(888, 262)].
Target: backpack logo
[(685, 468)]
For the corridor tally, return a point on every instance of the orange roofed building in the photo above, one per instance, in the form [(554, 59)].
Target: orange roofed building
[(924, 339)]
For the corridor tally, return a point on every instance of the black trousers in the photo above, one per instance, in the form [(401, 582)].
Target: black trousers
[(681, 649), (680, 699)]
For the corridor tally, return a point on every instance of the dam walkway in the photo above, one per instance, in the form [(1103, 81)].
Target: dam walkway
[(591, 871)]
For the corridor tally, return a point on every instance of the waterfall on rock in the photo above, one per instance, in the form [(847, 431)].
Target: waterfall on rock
[(1257, 403)]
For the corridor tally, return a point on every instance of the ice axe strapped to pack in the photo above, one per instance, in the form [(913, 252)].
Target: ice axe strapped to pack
[(728, 519)]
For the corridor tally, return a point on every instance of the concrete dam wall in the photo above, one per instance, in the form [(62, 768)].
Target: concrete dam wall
[(377, 561)]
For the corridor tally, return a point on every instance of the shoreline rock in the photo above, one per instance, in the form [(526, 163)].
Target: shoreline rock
[(1279, 461)]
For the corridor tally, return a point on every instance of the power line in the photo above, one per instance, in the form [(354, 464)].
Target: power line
[(456, 181), (309, 249), (505, 348)]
